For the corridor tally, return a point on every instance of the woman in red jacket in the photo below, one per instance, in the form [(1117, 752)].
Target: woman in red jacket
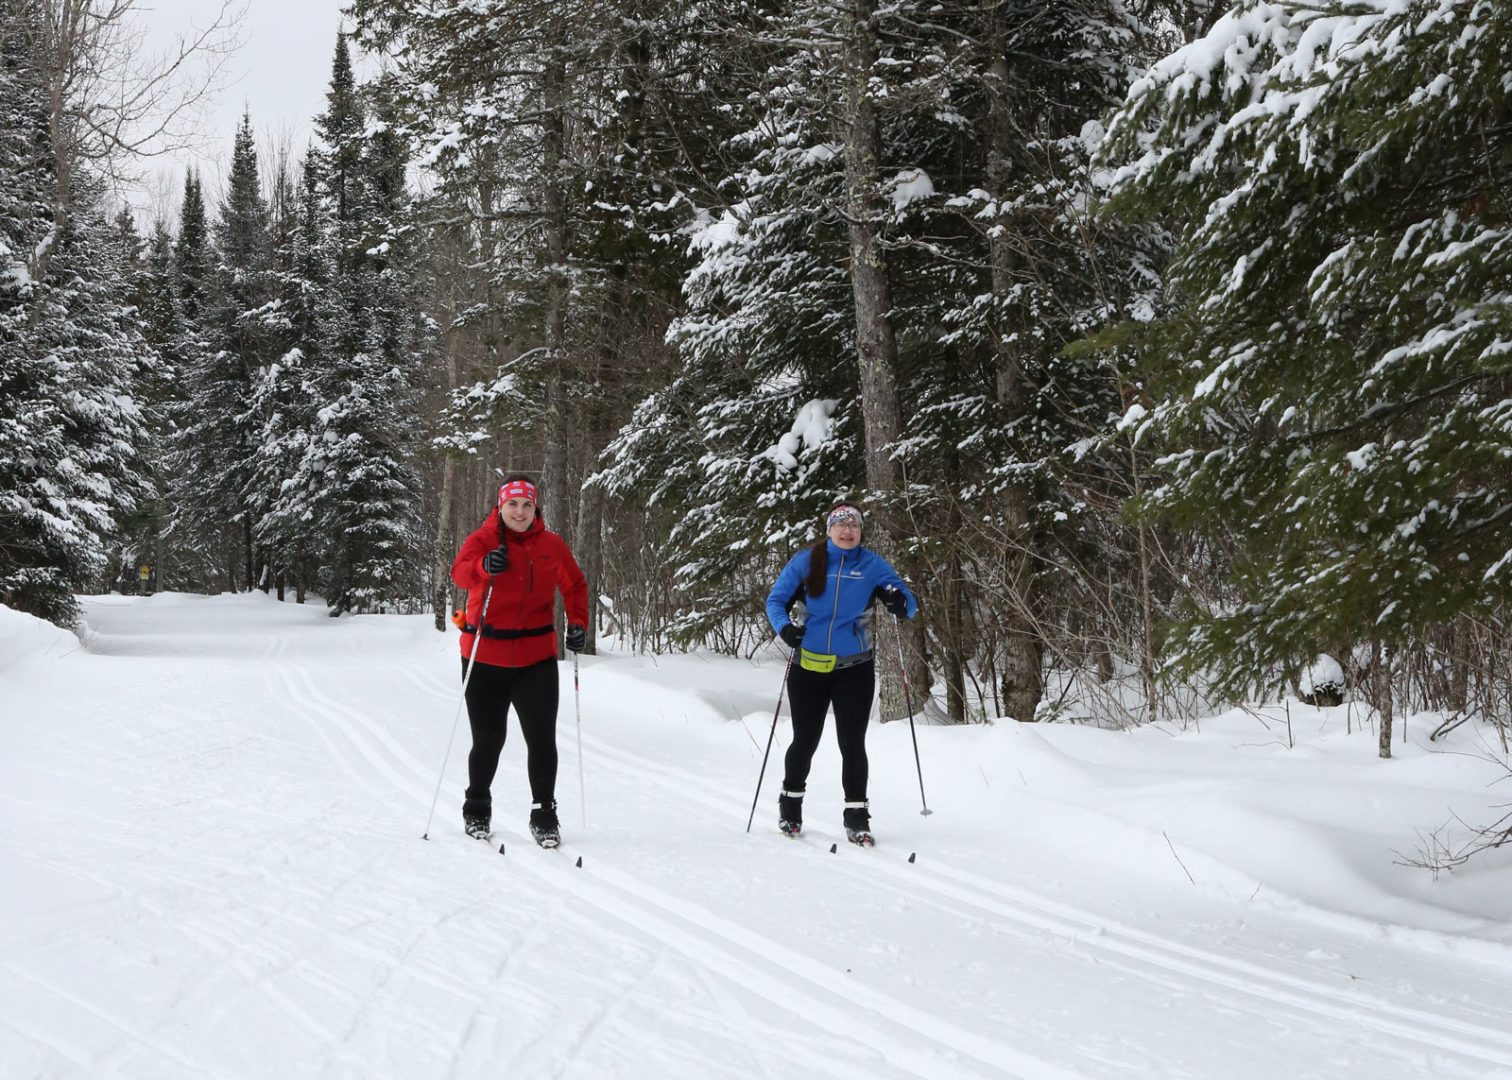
[(512, 568)]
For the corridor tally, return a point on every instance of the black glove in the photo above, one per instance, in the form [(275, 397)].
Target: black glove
[(577, 637), (792, 635), (496, 561), (892, 599)]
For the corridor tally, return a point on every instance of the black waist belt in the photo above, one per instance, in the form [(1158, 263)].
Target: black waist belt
[(499, 632)]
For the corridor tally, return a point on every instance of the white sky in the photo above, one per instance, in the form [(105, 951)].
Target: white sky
[(280, 72)]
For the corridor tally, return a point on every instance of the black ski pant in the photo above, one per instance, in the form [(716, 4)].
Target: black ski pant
[(810, 695), (533, 693)]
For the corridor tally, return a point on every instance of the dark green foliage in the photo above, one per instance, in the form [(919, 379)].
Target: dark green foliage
[(1334, 373), (70, 353)]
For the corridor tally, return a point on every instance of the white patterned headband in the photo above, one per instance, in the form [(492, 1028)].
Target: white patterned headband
[(844, 514)]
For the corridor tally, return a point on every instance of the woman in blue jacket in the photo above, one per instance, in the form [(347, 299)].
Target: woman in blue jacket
[(837, 579)]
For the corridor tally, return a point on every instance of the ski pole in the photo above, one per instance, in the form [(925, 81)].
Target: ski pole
[(908, 700), (577, 701), (477, 638), (770, 736)]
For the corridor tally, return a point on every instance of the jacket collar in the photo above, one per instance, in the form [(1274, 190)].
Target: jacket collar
[(837, 552)]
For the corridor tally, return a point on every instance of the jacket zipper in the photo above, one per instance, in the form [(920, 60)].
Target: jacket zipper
[(524, 600), (829, 638)]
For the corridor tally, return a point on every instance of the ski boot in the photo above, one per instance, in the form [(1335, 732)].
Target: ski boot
[(544, 825), (858, 824), (790, 812), (476, 818)]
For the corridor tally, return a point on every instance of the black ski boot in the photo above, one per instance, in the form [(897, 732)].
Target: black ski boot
[(476, 818), (858, 824), (544, 825), (790, 812)]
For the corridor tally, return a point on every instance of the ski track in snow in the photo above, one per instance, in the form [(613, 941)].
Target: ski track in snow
[(1033, 912), (797, 984), (1174, 963), (383, 960)]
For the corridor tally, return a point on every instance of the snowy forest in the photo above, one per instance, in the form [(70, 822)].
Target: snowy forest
[(1168, 344)]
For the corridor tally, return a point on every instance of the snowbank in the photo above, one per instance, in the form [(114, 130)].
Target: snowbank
[(23, 635), (213, 861)]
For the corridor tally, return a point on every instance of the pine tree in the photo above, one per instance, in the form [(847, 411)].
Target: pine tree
[(284, 395), (363, 488), (1333, 376), (162, 327), (219, 428), (203, 555), (70, 351), (33, 569)]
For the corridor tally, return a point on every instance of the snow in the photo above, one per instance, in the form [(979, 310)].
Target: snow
[(911, 186), (213, 868), (1323, 675), (1132, 416), (810, 430)]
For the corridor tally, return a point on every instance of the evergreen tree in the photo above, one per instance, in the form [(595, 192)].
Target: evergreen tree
[(364, 489), (283, 396), (219, 428), (70, 351), (1333, 375), (204, 557), (33, 569), (162, 326)]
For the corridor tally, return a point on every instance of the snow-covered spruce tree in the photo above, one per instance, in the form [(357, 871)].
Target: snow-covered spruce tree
[(997, 266), (367, 500), (133, 560), (204, 553), (768, 340), (987, 252), (1000, 267), (1334, 377), (221, 432), (283, 398), (162, 326), (33, 571), (70, 349), (737, 454)]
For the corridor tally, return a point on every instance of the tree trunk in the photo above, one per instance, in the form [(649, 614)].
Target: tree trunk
[(1459, 665), (1023, 645), (442, 559), (952, 638), (249, 557), (554, 480), (590, 554), (876, 339), (1383, 703)]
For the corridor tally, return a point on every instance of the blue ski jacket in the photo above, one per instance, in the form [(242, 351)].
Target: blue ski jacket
[(838, 622)]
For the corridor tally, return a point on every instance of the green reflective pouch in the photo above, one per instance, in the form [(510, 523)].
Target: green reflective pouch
[(823, 663)]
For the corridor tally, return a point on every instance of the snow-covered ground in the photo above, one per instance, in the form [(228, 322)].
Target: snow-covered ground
[(211, 866)]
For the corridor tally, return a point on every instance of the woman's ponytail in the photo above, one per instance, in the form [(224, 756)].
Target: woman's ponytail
[(814, 583)]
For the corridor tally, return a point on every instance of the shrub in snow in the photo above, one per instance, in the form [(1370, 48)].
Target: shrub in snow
[(1323, 683)]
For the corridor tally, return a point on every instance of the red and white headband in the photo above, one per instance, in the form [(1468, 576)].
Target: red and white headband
[(517, 489), (844, 514)]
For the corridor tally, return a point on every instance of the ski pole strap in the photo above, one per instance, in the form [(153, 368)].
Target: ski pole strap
[(508, 635)]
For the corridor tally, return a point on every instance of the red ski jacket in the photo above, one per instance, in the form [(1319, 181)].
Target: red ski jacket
[(517, 627)]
